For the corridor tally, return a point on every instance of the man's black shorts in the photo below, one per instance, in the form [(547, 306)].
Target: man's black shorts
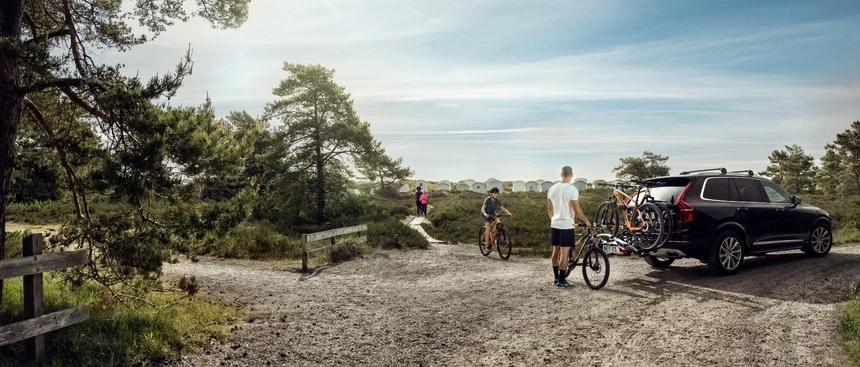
[(563, 237)]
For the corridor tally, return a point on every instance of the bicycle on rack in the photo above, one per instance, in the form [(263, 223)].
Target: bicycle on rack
[(595, 263), (644, 224), (500, 235)]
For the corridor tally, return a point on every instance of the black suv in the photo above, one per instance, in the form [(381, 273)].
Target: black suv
[(721, 217)]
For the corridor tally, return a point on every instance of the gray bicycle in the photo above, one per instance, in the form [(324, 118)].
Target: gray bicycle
[(595, 263)]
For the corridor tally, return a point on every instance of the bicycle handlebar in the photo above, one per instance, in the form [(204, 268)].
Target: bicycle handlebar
[(580, 223)]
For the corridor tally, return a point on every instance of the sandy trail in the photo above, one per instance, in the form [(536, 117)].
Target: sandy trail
[(450, 306)]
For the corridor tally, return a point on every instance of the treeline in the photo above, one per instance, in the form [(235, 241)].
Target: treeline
[(184, 180), (838, 174)]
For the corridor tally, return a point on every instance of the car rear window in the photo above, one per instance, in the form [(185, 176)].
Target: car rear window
[(670, 190)]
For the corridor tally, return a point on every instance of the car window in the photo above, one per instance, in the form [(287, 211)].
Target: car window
[(670, 190), (748, 190), (775, 194), (716, 189)]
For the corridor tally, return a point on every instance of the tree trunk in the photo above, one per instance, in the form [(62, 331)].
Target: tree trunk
[(11, 99), (320, 180)]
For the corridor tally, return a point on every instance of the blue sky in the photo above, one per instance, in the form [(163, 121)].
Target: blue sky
[(516, 89)]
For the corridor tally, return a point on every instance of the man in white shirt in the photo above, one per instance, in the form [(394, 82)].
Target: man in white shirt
[(562, 202)]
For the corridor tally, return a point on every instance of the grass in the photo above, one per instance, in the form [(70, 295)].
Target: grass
[(849, 324), (846, 237), (116, 334), (392, 234), (455, 217)]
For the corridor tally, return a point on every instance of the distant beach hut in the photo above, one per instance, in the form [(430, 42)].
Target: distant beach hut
[(546, 185), (519, 186)]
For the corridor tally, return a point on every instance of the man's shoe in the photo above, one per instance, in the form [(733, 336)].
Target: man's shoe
[(555, 282), (564, 284)]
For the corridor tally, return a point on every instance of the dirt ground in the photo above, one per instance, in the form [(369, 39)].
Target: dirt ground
[(450, 306)]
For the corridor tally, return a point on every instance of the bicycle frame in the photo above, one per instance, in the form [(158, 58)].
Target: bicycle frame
[(587, 239), (621, 198), (497, 223)]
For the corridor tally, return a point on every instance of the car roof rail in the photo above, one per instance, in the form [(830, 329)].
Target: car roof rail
[(748, 172), (722, 170)]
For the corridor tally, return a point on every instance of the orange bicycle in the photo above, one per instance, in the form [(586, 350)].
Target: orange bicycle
[(500, 235), (642, 222)]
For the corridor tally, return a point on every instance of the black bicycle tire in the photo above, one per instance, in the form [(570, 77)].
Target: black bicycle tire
[(607, 210), (500, 234), (586, 261), (650, 245), (484, 250), (668, 224)]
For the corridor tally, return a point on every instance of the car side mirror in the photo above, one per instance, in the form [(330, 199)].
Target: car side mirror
[(795, 200)]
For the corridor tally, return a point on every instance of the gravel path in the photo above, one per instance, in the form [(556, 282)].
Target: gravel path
[(450, 306)]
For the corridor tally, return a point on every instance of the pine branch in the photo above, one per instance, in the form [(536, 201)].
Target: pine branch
[(45, 37), (37, 115), (61, 83)]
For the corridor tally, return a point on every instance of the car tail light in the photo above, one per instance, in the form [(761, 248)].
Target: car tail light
[(686, 211)]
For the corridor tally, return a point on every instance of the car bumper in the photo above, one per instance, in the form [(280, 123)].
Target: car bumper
[(681, 244)]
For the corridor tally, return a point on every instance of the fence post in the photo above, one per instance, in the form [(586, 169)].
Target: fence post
[(304, 253), (33, 306)]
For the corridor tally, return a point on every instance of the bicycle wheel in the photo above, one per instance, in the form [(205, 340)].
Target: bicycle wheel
[(572, 257), (481, 245), (606, 218), (595, 268), (650, 218), (668, 223), (503, 243)]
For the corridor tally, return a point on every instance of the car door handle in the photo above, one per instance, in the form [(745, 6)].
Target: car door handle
[(743, 209)]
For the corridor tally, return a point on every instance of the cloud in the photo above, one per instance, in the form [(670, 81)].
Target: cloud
[(506, 88)]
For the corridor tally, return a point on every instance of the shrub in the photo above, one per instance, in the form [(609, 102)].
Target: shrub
[(344, 253), (392, 233), (257, 240), (456, 218)]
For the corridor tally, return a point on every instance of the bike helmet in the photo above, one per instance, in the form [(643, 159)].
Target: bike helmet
[(494, 189)]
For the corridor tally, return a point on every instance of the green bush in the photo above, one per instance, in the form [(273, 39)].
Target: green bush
[(40, 212), (849, 324), (392, 233), (344, 253), (456, 217), (257, 240), (844, 211), (15, 244)]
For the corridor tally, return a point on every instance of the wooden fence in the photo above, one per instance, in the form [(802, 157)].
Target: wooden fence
[(33, 329), (330, 234)]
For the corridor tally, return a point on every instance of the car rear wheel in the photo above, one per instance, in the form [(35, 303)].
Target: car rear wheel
[(820, 241), (727, 255)]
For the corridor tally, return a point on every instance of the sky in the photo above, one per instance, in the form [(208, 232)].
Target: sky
[(515, 90)]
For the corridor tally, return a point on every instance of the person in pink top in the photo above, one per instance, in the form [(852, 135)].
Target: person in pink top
[(424, 203)]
